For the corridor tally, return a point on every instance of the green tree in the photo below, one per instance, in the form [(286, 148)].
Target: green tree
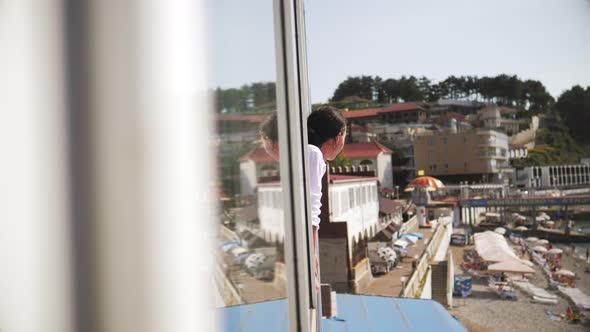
[(359, 86), (574, 108), (340, 160)]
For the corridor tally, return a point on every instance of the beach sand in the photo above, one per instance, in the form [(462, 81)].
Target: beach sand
[(485, 311)]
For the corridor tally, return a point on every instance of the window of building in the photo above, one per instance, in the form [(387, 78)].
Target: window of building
[(364, 195), (357, 194)]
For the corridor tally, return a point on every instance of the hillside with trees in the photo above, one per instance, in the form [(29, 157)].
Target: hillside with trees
[(530, 95), (567, 138)]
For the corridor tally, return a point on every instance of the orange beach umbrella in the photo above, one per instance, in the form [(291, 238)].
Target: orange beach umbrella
[(425, 181)]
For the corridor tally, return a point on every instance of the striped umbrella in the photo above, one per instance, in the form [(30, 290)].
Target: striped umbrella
[(425, 181)]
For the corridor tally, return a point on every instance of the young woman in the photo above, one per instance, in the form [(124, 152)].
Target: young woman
[(326, 133)]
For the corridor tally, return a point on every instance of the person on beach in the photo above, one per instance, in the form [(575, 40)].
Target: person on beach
[(326, 133)]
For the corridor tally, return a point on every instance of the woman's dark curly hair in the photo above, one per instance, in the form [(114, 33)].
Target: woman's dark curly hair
[(324, 124)]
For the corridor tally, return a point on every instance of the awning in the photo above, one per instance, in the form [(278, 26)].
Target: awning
[(511, 267)]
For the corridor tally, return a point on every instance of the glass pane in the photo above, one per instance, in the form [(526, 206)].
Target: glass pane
[(250, 237)]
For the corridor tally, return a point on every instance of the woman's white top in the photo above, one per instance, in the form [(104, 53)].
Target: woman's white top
[(317, 169)]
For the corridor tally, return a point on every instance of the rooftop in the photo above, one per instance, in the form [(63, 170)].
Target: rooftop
[(349, 178), (387, 205), (354, 313), (400, 107), (361, 113), (359, 150)]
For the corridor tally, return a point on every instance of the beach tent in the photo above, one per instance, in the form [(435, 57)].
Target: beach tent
[(527, 262), (555, 251), (521, 228), (493, 247), (410, 239), (542, 242), (532, 239), (512, 266), (401, 243), (563, 272), (500, 230), (540, 249)]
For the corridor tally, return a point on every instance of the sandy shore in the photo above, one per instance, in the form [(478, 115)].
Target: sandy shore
[(485, 311), (577, 265)]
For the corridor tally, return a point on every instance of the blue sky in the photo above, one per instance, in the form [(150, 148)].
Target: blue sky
[(537, 39)]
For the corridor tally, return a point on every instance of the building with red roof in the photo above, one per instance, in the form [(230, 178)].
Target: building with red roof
[(375, 155), (402, 112), (409, 112), (364, 114)]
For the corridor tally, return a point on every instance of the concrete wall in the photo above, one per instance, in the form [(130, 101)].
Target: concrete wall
[(334, 263), (427, 290), (441, 251), (450, 278), (361, 276), (527, 137), (228, 292)]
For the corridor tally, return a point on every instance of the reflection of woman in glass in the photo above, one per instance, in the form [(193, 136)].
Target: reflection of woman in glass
[(326, 129)]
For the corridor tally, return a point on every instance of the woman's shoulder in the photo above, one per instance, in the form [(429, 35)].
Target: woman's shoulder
[(313, 150)]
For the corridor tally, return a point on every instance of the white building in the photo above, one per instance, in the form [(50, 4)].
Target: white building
[(257, 163), (376, 156), (254, 165), (552, 176), (353, 199)]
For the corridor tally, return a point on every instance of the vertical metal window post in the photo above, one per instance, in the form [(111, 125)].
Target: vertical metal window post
[(293, 108)]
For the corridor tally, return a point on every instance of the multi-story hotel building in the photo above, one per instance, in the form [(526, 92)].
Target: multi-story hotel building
[(474, 154)]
